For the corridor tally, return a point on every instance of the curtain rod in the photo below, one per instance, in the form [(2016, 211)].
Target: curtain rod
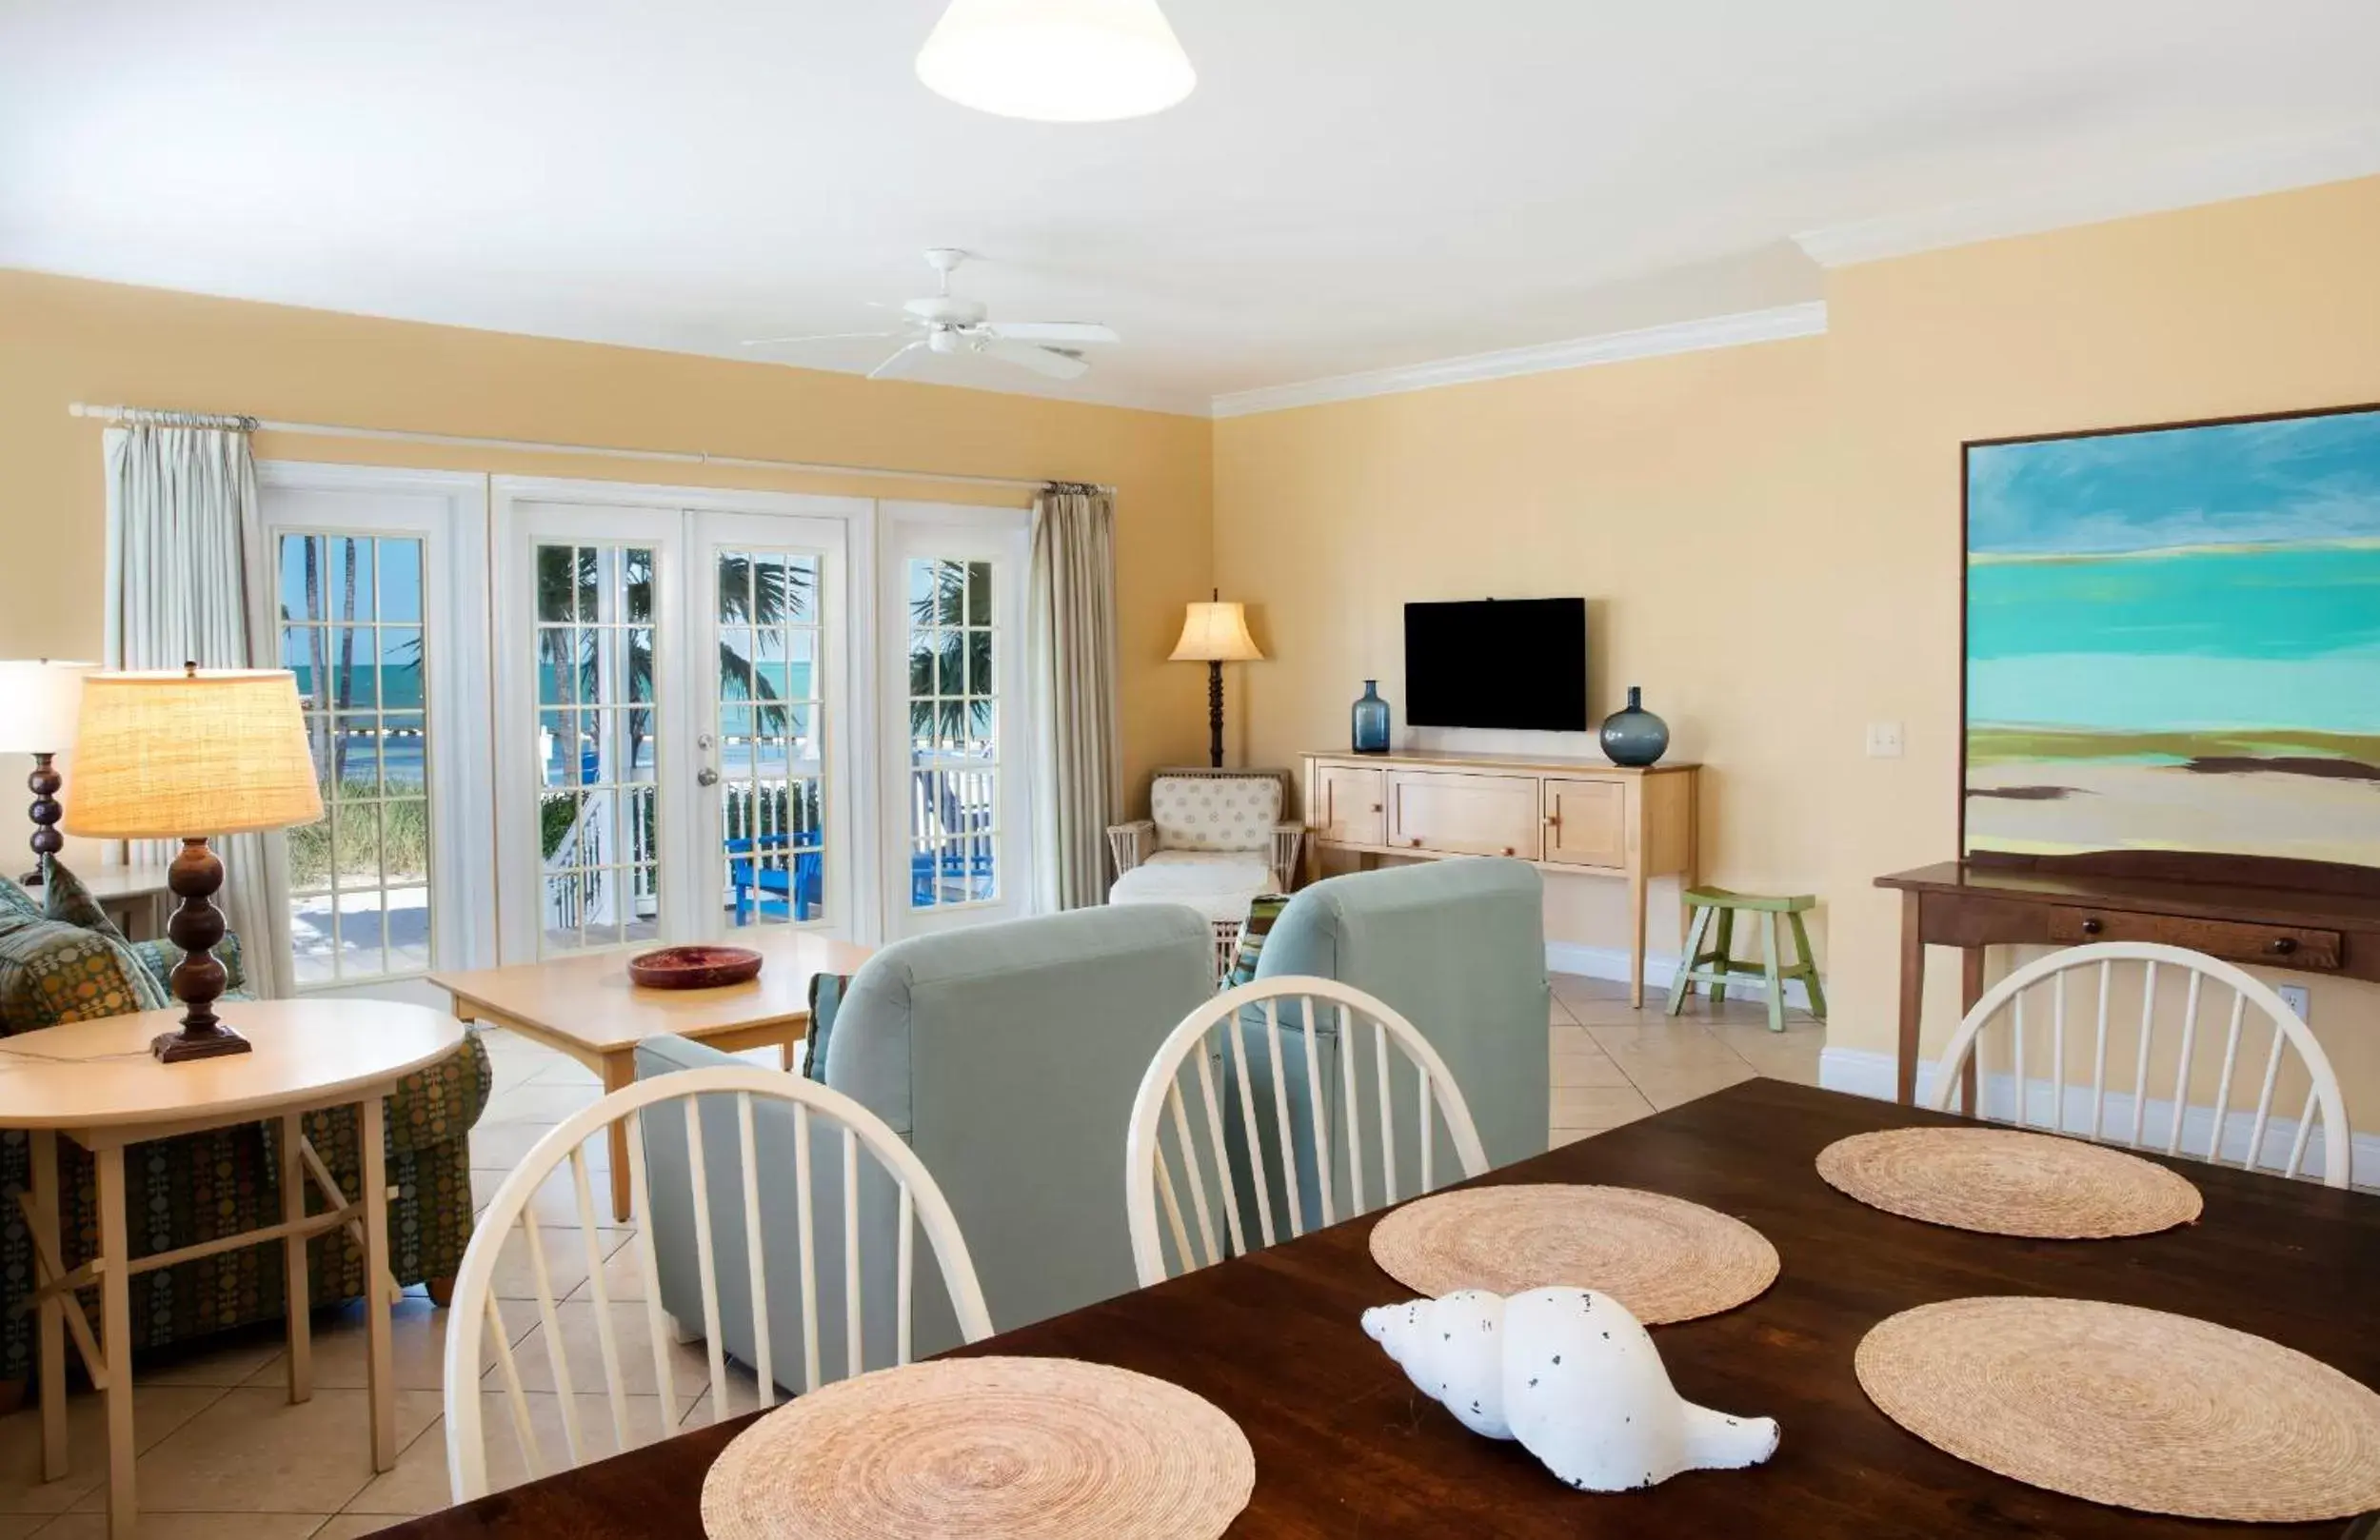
[(675, 456)]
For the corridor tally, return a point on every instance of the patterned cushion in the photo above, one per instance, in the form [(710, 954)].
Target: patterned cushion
[(16, 901), (64, 898), (1215, 812)]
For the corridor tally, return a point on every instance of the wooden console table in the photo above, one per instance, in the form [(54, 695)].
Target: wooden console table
[(1575, 817), (1971, 906)]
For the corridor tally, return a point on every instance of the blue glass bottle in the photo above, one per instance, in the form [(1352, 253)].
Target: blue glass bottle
[(1370, 720), (1635, 735)]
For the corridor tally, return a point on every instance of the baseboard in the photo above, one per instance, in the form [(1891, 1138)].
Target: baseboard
[(1865, 1072), (1659, 968)]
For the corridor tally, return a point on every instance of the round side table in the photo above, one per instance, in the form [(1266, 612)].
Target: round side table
[(96, 1083)]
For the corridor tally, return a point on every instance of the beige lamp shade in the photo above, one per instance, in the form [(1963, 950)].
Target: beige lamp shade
[(1216, 633), (39, 700), (175, 755)]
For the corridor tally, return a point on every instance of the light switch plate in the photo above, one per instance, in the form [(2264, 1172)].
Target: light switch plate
[(1884, 740), (2300, 999)]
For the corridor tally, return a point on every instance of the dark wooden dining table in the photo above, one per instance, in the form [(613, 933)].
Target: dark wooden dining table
[(1347, 1447)]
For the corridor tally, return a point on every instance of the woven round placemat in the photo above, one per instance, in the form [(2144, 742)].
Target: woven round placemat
[(988, 1447), (1665, 1258), (2007, 1182), (2128, 1407)]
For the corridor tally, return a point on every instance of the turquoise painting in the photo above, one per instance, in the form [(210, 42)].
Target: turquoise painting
[(2173, 641)]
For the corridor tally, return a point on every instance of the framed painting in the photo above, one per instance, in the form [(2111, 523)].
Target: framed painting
[(2172, 647)]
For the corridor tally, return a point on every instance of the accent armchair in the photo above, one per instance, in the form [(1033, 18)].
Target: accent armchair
[(1457, 948), (1214, 840), (1006, 1056)]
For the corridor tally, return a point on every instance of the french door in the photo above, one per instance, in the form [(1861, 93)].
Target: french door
[(673, 754)]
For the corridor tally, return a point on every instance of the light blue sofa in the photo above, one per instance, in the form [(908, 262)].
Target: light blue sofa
[(1007, 1055), (1457, 948)]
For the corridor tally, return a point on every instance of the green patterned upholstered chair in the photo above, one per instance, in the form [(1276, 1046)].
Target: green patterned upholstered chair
[(66, 963)]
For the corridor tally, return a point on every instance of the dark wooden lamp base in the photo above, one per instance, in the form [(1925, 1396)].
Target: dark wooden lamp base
[(48, 842), (198, 979)]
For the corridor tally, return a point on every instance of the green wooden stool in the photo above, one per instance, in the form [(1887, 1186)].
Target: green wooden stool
[(1711, 969)]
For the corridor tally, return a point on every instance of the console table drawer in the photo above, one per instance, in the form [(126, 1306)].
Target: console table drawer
[(1462, 814), (2281, 946)]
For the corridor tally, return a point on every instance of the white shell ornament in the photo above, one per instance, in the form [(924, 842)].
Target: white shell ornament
[(1573, 1376)]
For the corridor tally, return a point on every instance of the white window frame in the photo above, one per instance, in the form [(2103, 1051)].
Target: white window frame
[(448, 512)]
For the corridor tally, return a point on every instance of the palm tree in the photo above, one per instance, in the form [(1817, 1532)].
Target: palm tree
[(946, 611), (762, 594)]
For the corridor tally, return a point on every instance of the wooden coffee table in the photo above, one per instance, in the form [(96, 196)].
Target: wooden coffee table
[(586, 1007), (96, 1083)]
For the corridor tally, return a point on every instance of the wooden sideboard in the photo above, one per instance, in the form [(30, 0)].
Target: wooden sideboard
[(1972, 906), (1575, 818)]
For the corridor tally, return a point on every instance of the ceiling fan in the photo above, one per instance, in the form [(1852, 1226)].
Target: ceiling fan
[(947, 324)]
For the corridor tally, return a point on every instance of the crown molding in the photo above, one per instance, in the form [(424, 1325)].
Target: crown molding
[(1784, 321), (2272, 166)]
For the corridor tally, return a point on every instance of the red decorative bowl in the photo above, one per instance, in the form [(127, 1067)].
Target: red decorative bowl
[(694, 967)]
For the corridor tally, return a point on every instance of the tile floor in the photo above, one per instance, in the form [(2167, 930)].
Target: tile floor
[(225, 1457)]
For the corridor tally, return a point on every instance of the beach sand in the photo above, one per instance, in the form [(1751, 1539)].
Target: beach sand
[(2127, 805)]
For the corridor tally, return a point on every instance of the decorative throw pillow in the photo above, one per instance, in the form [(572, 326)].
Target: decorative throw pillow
[(65, 899), (826, 992), (1262, 910), (1214, 812), (15, 902)]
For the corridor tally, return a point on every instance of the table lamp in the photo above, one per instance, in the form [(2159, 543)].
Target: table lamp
[(39, 699), (158, 756), (1216, 634)]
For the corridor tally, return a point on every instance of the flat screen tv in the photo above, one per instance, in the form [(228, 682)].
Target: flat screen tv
[(1498, 662)]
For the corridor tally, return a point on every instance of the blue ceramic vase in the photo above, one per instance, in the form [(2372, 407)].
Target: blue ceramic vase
[(1369, 722), (1636, 736)]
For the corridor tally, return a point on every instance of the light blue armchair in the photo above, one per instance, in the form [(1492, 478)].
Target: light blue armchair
[(1457, 948), (1007, 1056)]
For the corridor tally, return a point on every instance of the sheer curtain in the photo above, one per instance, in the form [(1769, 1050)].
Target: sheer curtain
[(1077, 770), (188, 582)]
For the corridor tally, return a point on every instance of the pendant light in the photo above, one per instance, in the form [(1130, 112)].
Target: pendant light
[(1057, 61)]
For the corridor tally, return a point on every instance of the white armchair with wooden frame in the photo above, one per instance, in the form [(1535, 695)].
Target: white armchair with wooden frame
[(1214, 839)]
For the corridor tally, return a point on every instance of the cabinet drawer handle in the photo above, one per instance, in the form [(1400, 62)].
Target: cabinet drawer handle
[(2284, 946), (1377, 808), (1553, 820), (1416, 844), (2094, 925), (1508, 850)]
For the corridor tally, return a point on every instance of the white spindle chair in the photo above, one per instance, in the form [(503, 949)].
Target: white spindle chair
[(1210, 1045), (2102, 959), (470, 1344)]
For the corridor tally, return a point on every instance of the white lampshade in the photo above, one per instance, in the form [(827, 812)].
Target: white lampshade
[(175, 755), (1057, 61), (1216, 633), (39, 700)]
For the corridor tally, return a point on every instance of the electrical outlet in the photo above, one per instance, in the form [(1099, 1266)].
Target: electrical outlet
[(2300, 999), (1884, 740)]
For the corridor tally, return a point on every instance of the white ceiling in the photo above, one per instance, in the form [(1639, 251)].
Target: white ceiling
[(1355, 185)]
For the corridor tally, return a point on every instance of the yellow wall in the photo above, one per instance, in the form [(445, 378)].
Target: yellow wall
[(62, 340), (1770, 536)]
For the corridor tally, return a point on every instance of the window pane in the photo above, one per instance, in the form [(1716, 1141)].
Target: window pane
[(401, 667), (301, 578), (554, 584), (978, 593), (401, 582)]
